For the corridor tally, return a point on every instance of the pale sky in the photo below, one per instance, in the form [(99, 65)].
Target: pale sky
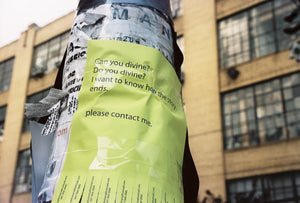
[(17, 15)]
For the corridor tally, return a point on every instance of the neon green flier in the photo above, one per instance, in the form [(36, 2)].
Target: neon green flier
[(128, 134)]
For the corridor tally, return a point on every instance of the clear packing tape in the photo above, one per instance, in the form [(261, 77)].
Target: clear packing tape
[(121, 135)]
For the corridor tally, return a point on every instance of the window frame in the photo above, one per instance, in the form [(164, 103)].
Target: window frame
[(277, 35), (250, 139), (2, 121), (267, 189), (23, 173), (6, 74), (44, 67)]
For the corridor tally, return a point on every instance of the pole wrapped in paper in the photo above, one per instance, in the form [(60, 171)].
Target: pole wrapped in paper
[(121, 137)]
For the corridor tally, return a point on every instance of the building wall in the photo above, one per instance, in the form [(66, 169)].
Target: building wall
[(201, 93), (227, 7), (267, 159), (205, 82), (271, 158), (203, 87), (15, 108), (22, 85)]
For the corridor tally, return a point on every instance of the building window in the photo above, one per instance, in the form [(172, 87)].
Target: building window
[(48, 55), (253, 33), (291, 92), (23, 173), (269, 111), (281, 9), (284, 187), (176, 8), (262, 113), (2, 119), (34, 98), (240, 128), (5, 74)]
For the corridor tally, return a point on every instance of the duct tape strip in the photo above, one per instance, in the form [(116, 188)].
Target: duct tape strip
[(52, 105)]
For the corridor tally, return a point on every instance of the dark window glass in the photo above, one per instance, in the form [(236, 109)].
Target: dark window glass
[(23, 173), (239, 115), (262, 30), (281, 9), (234, 40), (48, 55), (245, 190), (34, 98), (269, 111), (274, 188), (297, 182), (2, 119), (253, 33), (265, 112), (5, 74), (291, 92)]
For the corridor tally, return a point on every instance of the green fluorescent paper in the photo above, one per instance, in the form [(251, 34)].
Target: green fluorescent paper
[(128, 133)]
